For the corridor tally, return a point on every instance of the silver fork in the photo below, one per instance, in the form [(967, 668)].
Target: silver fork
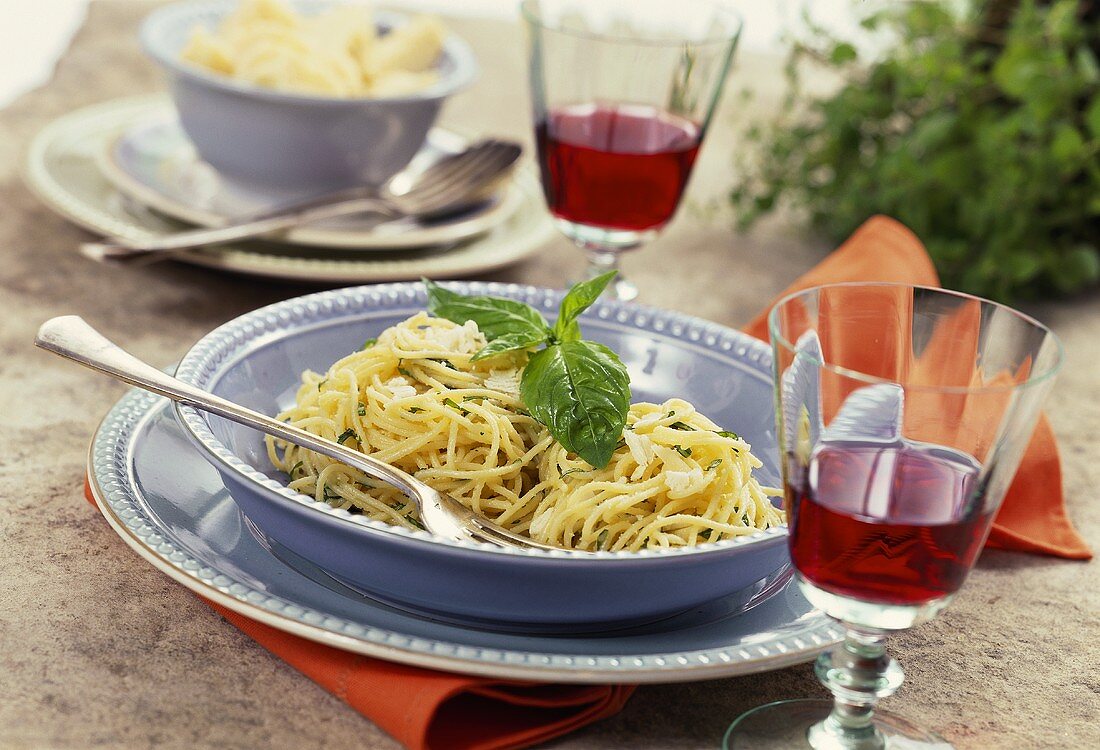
[(449, 185), (71, 337)]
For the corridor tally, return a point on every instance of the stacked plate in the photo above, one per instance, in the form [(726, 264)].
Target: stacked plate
[(216, 528), (125, 168)]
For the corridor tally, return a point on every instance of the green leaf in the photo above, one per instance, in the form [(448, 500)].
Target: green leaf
[(1023, 267), (511, 342), (1084, 263), (454, 405), (494, 316), (575, 302), (1068, 146), (368, 344), (1087, 66), (930, 132), (1062, 19), (581, 391), (1092, 116), (601, 539), (445, 362), (842, 53), (1016, 72)]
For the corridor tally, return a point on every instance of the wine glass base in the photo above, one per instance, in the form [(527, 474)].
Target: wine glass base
[(787, 724)]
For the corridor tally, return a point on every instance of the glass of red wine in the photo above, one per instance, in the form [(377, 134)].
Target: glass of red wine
[(623, 93), (902, 415)]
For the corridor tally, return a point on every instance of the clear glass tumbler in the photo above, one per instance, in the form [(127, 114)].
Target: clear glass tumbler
[(623, 93), (902, 414)]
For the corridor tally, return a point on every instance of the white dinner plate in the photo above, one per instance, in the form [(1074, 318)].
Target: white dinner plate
[(167, 503), (61, 168), (152, 161)]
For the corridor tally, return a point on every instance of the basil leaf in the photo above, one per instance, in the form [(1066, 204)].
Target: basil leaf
[(601, 539), (576, 301), (454, 405), (495, 316), (511, 342), (581, 391)]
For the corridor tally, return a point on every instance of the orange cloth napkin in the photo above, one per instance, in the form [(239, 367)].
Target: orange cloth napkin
[(1033, 516), (426, 710)]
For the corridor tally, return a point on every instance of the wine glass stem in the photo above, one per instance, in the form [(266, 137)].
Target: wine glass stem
[(858, 672), (602, 260)]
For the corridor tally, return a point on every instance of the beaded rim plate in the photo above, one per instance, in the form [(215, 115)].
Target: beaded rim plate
[(61, 169), (794, 638)]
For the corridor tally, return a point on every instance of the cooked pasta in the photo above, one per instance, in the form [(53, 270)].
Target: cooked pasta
[(415, 400), (336, 52)]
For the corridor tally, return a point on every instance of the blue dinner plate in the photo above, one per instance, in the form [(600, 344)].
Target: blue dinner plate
[(170, 505)]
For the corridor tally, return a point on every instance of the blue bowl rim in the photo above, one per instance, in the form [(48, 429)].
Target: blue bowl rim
[(149, 35), (221, 347)]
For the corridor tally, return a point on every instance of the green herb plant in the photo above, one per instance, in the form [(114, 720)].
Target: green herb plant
[(578, 389), (979, 130)]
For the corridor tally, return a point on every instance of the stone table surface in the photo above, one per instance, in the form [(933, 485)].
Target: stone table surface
[(99, 649)]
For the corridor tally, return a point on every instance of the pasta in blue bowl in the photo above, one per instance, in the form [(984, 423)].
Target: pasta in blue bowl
[(681, 513)]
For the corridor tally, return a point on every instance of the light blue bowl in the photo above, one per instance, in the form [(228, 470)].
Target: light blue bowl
[(288, 142), (257, 360)]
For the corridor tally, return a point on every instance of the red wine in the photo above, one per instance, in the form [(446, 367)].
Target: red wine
[(615, 167), (896, 524)]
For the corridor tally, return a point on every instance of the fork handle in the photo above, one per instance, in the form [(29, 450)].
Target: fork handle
[(71, 337), (121, 251)]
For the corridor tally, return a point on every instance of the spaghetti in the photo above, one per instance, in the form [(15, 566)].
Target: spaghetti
[(414, 399), (334, 52)]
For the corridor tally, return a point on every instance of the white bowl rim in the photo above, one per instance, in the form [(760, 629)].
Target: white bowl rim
[(222, 345), (454, 47)]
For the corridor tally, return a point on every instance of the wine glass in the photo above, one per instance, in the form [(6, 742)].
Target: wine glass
[(623, 93), (902, 415)]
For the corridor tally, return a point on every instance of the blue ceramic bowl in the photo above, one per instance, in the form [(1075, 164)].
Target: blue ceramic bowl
[(289, 142), (257, 360)]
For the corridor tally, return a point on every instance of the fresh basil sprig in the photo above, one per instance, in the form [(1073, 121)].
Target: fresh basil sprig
[(579, 389)]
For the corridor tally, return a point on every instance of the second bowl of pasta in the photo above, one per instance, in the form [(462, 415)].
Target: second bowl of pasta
[(297, 98)]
